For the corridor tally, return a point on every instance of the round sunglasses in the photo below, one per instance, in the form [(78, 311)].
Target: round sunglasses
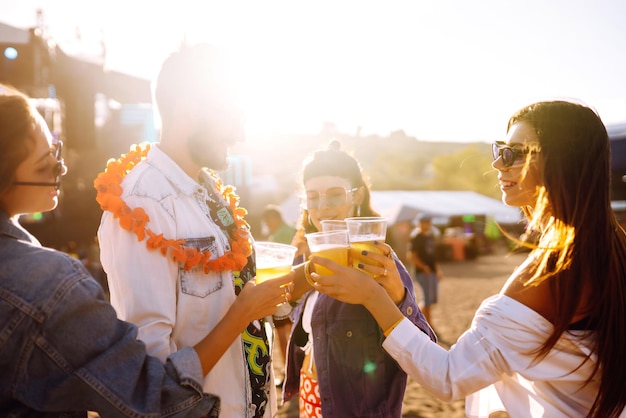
[(334, 197), (508, 154), (58, 170)]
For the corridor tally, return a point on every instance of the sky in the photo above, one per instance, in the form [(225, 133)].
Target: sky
[(446, 70)]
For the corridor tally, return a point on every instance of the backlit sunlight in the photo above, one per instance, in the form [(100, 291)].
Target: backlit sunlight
[(437, 70)]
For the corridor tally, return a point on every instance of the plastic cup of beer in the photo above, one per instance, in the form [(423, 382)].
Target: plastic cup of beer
[(334, 225), (362, 233), (273, 260), (333, 245)]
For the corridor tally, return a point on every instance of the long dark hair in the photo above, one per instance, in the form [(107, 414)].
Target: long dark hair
[(582, 248)]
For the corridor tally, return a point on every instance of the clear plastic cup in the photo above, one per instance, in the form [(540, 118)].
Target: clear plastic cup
[(333, 245), (363, 232), (273, 260), (334, 225)]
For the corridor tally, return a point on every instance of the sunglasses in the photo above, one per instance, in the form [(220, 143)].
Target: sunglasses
[(58, 170), (334, 197), (508, 154)]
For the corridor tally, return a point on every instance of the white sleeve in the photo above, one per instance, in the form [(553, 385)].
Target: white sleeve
[(501, 340), (142, 282)]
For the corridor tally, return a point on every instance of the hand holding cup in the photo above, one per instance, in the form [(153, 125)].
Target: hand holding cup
[(333, 245), (273, 261), (364, 233)]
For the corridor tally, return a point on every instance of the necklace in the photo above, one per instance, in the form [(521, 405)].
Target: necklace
[(109, 197)]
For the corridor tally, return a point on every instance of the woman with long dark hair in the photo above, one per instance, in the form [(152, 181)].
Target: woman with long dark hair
[(552, 342)]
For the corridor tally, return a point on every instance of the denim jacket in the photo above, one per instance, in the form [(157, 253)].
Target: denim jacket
[(63, 351), (356, 376)]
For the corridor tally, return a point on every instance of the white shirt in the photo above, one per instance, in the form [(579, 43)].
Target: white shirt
[(307, 315), (494, 366), (174, 308)]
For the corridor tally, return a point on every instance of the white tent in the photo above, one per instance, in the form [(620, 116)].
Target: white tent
[(401, 205)]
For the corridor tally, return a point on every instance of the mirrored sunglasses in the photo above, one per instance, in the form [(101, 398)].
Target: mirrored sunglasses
[(508, 154)]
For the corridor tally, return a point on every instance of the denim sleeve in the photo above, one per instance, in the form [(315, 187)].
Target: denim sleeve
[(81, 357), (408, 305)]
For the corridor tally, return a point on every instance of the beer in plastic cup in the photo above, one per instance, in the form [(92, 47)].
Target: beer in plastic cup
[(333, 245), (272, 260), (362, 232)]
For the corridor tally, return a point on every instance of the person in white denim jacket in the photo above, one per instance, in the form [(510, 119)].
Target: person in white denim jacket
[(63, 352), (175, 307)]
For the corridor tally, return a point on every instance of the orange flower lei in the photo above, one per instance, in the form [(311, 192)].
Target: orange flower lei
[(109, 196)]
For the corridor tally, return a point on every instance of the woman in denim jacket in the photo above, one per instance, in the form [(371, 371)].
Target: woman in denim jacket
[(336, 364), (62, 350)]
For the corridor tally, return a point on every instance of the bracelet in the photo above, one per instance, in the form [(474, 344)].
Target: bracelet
[(391, 328), (283, 312), (307, 274)]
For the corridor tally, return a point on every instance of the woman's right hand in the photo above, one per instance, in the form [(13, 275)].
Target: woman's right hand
[(381, 265), (354, 286), (347, 284), (256, 301)]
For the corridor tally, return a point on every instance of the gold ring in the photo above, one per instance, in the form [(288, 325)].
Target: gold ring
[(307, 274), (286, 298), (384, 271)]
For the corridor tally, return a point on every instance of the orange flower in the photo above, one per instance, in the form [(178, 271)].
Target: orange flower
[(193, 258), (155, 241), (140, 219), (175, 245), (125, 216), (101, 183), (111, 203), (179, 255), (135, 220)]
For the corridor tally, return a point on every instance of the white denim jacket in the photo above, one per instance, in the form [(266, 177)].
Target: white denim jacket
[(174, 308)]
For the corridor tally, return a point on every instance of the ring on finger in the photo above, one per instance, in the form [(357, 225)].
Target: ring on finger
[(286, 295), (384, 271)]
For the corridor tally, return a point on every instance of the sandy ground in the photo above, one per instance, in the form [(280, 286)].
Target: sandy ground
[(465, 285)]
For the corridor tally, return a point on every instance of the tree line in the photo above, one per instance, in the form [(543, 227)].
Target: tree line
[(393, 162)]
